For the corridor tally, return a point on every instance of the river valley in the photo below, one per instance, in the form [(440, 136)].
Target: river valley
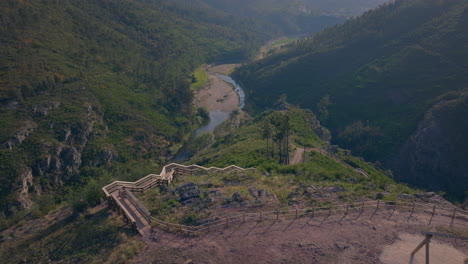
[(221, 96)]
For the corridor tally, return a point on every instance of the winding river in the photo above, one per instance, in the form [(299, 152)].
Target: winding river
[(218, 117)]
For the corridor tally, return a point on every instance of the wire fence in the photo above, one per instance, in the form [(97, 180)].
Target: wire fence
[(453, 217)]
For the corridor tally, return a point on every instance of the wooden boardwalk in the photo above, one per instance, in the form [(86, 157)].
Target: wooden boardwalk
[(120, 197), (120, 194)]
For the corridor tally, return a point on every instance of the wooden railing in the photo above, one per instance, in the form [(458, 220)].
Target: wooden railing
[(457, 216), (125, 189), (426, 242), (138, 205), (166, 176), (450, 215)]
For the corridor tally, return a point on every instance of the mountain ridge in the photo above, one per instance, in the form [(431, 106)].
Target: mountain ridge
[(380, 72)]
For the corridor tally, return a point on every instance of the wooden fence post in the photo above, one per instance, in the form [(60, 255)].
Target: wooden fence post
[(260, 216), (453, 217), (427, 250), (393, 210), (296, 213), (362, 208), (433, 213), (378, 204), (412, 210), (347, 209)]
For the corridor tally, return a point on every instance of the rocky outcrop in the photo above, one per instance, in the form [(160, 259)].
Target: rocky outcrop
[(58, 157), (25, 130), (25, 182), (435, 156), (188, 191)]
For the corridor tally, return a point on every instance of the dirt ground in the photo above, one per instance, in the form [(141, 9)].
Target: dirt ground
[(355, 238), (439, 252), (298, 156)]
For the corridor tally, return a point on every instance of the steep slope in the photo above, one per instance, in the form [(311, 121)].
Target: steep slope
[(373, 78), (90, 88), (283, 17), (438, 147), (343, 7)]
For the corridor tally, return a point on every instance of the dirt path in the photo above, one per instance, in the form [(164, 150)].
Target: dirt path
[(299, 152), (298, 156), (440, 252), (218, 95)]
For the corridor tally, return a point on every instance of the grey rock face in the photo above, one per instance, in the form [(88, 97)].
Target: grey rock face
[(237, 197), (24, 183), (188, 191), (435, 156), (26, 129)]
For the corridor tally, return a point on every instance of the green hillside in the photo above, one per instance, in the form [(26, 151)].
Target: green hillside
[(90, 89), (372, 78), (321, 165)]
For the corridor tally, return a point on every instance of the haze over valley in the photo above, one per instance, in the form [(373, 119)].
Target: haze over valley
[(221, 131)]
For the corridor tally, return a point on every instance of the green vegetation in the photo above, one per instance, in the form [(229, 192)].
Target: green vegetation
[(199, 78), (373, 78), (99, 84), (323, 178), (246, 147), (90, 238)]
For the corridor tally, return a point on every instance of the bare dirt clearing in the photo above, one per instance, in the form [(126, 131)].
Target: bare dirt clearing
[(322, 239)]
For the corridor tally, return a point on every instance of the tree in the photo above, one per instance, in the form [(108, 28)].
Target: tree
[(322, 107), (267, 132), (282, 128)]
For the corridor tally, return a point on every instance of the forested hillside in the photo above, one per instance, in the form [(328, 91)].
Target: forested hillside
[(343, 7), (373, 78), (89, 89)]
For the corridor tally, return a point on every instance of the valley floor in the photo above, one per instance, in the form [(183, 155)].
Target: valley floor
[(218, 95)]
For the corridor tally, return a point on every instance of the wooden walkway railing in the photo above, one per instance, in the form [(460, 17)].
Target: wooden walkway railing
[(120, 197), (120, 193), (451, 216)]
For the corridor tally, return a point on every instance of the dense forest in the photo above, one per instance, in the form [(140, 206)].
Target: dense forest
[(343, 7), (373, 80), (89, 89)]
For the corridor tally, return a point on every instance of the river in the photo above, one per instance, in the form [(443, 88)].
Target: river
[(217, 117)]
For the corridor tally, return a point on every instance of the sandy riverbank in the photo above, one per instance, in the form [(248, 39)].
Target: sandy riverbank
[(218, 95)]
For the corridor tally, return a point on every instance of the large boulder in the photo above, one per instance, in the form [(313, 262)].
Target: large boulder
[(188, 191)]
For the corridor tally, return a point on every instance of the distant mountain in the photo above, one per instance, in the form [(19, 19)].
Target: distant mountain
[(285, 17), (373, 78), (345, 8)]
